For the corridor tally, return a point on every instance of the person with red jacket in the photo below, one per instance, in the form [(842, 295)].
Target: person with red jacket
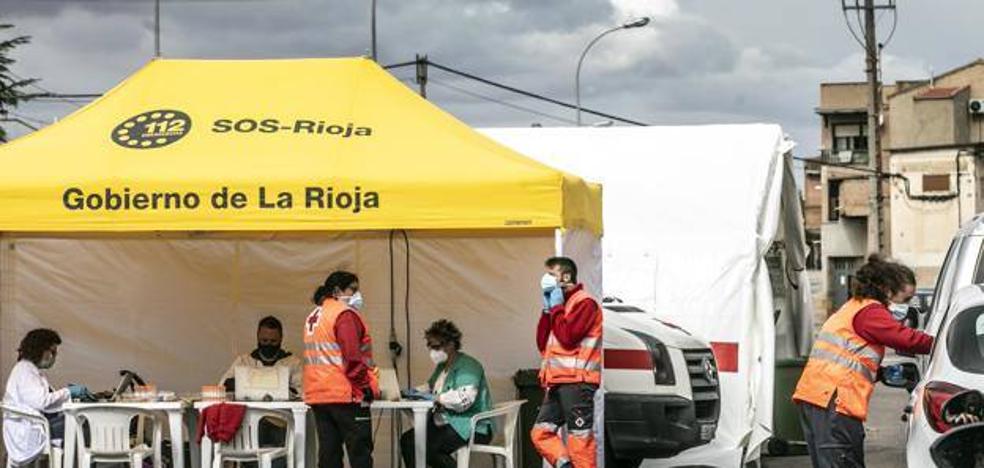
[(569, 339), (340, 378), (835, 388)]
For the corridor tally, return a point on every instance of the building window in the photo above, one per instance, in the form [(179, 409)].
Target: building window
[(849, 143), (833, 200), (936, 182), (850, 137)]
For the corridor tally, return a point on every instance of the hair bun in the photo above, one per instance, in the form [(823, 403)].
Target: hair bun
[(876, 258)]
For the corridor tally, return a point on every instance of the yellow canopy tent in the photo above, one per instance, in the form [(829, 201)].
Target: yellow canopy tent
[(156, 226), (320, 144)]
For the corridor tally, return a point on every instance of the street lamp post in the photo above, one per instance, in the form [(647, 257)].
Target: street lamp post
[(577, 75)]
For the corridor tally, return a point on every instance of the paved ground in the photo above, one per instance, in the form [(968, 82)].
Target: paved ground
[(885, 439)]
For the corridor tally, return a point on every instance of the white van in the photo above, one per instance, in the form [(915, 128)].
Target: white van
[(661, 387)]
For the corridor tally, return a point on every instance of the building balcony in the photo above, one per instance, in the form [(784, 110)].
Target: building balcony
[(848, 157)]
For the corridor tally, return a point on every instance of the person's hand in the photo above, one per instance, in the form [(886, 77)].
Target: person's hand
[(555, 298), (367, 396), (77, 391)]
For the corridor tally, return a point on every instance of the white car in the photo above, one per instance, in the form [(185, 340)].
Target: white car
[(661, 388), (955, 372)]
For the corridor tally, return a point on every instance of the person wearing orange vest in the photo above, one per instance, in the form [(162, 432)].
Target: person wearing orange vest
[(569, 339), (340, 378), (836, 385)]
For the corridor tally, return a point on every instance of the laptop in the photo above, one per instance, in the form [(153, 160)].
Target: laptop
[(389, 386), (262, 383)]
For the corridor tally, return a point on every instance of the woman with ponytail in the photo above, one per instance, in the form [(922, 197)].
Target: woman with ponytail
[(340, 378), (836, 386)]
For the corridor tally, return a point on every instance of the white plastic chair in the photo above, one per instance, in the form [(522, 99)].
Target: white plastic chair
[(53, 453), (245, 445), (509, 412), (109, 434)]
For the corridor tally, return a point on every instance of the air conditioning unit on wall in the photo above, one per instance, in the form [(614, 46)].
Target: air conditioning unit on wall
[(976, 106)]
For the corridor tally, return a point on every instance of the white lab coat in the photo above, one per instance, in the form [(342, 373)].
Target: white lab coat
[(28, 389)]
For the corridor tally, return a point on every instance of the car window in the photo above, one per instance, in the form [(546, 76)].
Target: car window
[(979, 268), (942, 286), (965, 342)]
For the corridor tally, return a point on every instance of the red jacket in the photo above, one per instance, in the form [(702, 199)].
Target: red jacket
[(349, 331), (875, 323), (220, 421), (569, 329)]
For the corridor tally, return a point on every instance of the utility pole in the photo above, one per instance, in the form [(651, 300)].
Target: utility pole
[(372, 29), (421, 77), (157, 28), (876, 214)]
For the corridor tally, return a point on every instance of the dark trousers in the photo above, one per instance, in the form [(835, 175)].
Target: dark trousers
[(834, 440), (442, 441), (569, 406), (56, 422), (343, 424)]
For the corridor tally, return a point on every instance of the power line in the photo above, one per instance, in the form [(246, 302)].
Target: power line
[(882, 175), (516, 90), (501, 102), (28, 118), (49, 92)]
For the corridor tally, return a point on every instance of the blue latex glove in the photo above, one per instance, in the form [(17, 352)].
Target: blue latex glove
[(554, 298), (77, 391), (548, 284)]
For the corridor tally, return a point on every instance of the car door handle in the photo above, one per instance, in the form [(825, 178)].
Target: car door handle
[(906, 412)]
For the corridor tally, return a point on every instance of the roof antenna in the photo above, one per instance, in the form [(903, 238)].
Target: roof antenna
[(932, 79)]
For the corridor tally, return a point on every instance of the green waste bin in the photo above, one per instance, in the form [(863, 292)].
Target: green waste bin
[(787, 433), (528, 388)]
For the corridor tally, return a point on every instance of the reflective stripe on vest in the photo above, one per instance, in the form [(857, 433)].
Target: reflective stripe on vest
[(842, 363), (325, 378), (582, 364)]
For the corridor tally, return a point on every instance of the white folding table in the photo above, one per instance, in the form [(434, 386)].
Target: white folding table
[(175, 411), (421, 410)]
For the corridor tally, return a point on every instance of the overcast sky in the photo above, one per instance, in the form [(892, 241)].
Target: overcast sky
[(700, 61)]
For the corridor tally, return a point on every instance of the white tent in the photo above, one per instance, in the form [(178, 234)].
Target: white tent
[(690, 214)]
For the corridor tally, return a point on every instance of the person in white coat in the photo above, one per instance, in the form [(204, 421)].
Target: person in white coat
[(28, 390)]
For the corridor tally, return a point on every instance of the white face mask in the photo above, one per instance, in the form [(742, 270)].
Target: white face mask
[(899, 311), (548, 282), (47, 361), (438, 356), (354, 301)]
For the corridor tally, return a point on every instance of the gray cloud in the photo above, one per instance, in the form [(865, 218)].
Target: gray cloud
[(701, 61)]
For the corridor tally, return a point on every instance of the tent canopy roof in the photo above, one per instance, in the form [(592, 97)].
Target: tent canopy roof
[(272, 145)]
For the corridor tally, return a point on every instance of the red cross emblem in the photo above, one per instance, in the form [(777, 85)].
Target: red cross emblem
[(312, 320)]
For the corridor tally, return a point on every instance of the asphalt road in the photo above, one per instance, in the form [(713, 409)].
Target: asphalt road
[(885, 435)]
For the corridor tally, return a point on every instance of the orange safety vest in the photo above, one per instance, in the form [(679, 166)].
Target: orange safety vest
[(324, 368), (581, 364), (841, 362)]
